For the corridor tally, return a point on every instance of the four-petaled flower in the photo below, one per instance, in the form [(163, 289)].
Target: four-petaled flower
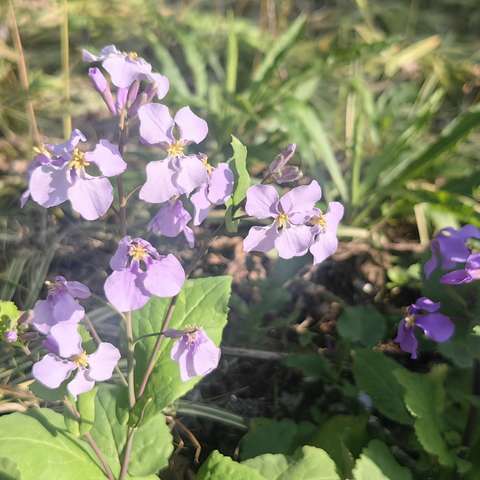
[(139, 272), (425, 315), (59, 174), (289, 232), (60, 305), (68, 356), (194, 351), (178, 173)]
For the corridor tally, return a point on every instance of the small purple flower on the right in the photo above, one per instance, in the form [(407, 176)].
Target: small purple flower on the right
[(424, 313), (468, 274), (194, 351)]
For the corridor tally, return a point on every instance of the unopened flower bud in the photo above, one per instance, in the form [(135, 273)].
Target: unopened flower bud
[(287, 174), (101, 85), (281, 159), (132, 93)]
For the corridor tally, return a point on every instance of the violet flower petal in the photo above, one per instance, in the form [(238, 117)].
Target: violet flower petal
[(201, 204), (124, 71), (107, 157), (102, 362), (220, 185), (125, 291), (66, 336), (49, 185), (456, 277), (67, 309), (119, 260), (80, 383), (91, 197), (43, 318), (301, 199), (51, 370), (424, 303), (164, 277), (260, 239), (192, 127), (324, 245), (77, 289), (190, 175), (160, 82), (436, 326), (262, 201), (406, 339), (156, 123), (159, 186), (293, 241)]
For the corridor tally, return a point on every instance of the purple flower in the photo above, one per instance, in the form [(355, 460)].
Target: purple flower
[(171, 220), (60, 174), (324, 230), (449, 248), (101, 85), (139, 272), (178, 173), (468, 274), (10, 336), (424, 314), (69, 356), (280, 171), (289, 233), (60, 305), (215, 191), (195, 353)]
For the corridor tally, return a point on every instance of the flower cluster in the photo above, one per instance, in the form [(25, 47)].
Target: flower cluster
[(58, 317)]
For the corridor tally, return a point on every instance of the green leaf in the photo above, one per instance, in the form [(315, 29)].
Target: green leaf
[(279, 49), (152, 443), (314, 138), (41, 447), (239, 167), (219, 467), (375, 374), (363, 325), (9, 314), (378, 463), (269, 465), (425, 400), (71, 422), (9, 470), (51, 395), (203, 303), (274, 436), (86, 408), (342, 437)]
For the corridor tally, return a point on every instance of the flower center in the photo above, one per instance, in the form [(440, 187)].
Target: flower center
[(410, 321), (138, 252), (132, 56), (282, 220), (81, 360), (78, 160), (175, 149), (320, 221)]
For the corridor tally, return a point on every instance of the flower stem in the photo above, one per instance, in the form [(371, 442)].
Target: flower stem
[(130, 360), (91, 441)]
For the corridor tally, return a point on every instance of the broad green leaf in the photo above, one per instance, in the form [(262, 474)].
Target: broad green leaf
[(374, 374), (425, 400), (274, 436), (279, 49), (307, 463), (314, 138), (9, 470), (9, 314), (342, 437), (378, 463), (71, 422), (219, 467), (152, 443), (86, 408), (363, 325), (203, 303), (239, 166), (41, 447)]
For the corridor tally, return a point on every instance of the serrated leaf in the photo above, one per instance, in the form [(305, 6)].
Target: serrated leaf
[(219, 467), (203, 303), (377, 463), (266, 435), (239, 167), (374, 374), (39, 444), (425, 400), (363, 325)]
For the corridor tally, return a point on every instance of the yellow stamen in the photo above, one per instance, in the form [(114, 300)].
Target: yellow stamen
[(41, 150), (207, 166), (78, 160), (175, 149), (282, 220), (138, 252), (410, 321), (81, 360), (319, 221), (132, 56)]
